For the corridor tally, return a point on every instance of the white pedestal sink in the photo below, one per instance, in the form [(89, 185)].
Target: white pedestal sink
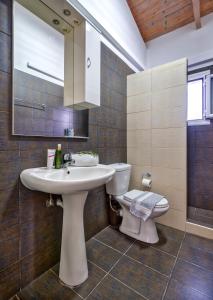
[(74, 188)]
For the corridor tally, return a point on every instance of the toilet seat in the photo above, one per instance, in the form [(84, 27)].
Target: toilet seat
[(163, 203)]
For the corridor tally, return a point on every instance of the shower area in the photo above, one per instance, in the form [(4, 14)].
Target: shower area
[(200, 147)]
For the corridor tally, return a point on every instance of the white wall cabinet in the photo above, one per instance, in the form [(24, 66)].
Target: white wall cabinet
[(86, 71)]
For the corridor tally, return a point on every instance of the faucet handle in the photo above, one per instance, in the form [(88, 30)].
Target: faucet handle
[(67, 157)]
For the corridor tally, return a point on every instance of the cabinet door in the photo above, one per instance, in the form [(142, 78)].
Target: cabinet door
[(92, 66)]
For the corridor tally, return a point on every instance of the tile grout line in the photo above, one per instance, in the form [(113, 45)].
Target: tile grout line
[(135, 260), (107, 246), (108, 272), (197, 291), (126, 255), (63, 284), (161, 251), (198, 266), (129, 287), (164, 294)]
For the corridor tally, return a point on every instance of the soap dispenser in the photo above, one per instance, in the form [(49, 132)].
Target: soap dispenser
[(58, 157)]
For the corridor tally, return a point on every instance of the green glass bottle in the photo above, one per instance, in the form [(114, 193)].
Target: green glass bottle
[(58, 157)]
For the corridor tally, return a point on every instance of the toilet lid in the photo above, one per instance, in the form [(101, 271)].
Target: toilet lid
[(162, 203)]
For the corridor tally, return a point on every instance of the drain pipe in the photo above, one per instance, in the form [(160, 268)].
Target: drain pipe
[(117, 211), (59, 202), (51, 202)]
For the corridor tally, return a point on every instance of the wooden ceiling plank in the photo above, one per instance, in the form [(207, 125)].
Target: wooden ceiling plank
[(196, 12), (157, 17), (169, 11)]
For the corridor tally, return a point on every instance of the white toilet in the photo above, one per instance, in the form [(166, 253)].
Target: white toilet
[(131, 225)]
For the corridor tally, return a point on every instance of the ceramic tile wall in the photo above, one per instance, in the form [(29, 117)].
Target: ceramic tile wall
[(200, 166), (30, 233), (156, 134), (49, 122)]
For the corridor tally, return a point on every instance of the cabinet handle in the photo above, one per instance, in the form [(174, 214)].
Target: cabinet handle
[(88, 62)]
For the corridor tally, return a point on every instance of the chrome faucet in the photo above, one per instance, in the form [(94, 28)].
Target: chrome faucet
[(68, 161)]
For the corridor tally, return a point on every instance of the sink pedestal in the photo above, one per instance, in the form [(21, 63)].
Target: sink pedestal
[(73, 263)]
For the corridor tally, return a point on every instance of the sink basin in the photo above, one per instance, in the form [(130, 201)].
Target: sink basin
[(73, 184), (60, 182)]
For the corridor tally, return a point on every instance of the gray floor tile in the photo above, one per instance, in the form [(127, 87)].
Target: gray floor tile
[(147, 282), (197, 256), (95, 276), (47, 287), (101, 255), (199, 242), (194, 277), (152, 257), (178, 291), (170, 233), (115, 239), (111, 289), (169, 239)]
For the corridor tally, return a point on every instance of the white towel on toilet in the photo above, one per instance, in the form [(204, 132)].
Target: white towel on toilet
[(133, 195), (143, 206)]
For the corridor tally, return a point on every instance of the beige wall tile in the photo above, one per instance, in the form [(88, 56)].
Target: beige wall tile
[(136, 175), (131, 156), (143, 138), (170, 98), (157, 135), (143, 120), (169, 118), (139, 138), (175, 197), (131, 138), (132, 121), (169, 137), (173, 218), (138, 83), (169, 157), (140, 102), (164, 77), (162, 178), (138, 156)]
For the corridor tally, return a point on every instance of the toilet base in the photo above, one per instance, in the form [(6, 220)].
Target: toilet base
[(137, 228), (148, 233)]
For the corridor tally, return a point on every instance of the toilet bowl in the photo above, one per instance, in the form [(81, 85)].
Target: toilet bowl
[(131, 225)]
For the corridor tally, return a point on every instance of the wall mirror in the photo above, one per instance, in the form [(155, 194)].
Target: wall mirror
[(42, 60)]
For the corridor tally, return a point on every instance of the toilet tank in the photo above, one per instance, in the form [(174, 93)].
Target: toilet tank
[(120, 182)]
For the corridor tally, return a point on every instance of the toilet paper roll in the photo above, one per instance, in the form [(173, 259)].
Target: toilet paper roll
[(146, 182)]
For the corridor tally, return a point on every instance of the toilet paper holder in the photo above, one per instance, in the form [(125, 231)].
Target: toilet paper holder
[(146, 175), (146, 181)]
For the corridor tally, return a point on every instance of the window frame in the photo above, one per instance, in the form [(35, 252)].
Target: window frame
[(209, 115), (205, 96)]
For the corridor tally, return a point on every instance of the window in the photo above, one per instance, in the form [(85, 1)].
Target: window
[(195, 100), (199, 96)]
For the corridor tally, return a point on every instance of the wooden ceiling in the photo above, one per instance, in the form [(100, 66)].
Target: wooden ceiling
[(157, 17)]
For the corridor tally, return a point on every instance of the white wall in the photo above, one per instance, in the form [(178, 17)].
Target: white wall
[(115, 16), (196, 45), (37, 43)]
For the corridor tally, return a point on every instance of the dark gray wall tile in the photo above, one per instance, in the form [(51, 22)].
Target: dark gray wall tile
[(24, 219)]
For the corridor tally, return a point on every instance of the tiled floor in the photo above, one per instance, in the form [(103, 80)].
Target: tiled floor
[(179, 267), (200, 216)]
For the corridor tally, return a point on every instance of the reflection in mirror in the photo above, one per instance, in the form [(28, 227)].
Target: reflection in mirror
[(42, 41)]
